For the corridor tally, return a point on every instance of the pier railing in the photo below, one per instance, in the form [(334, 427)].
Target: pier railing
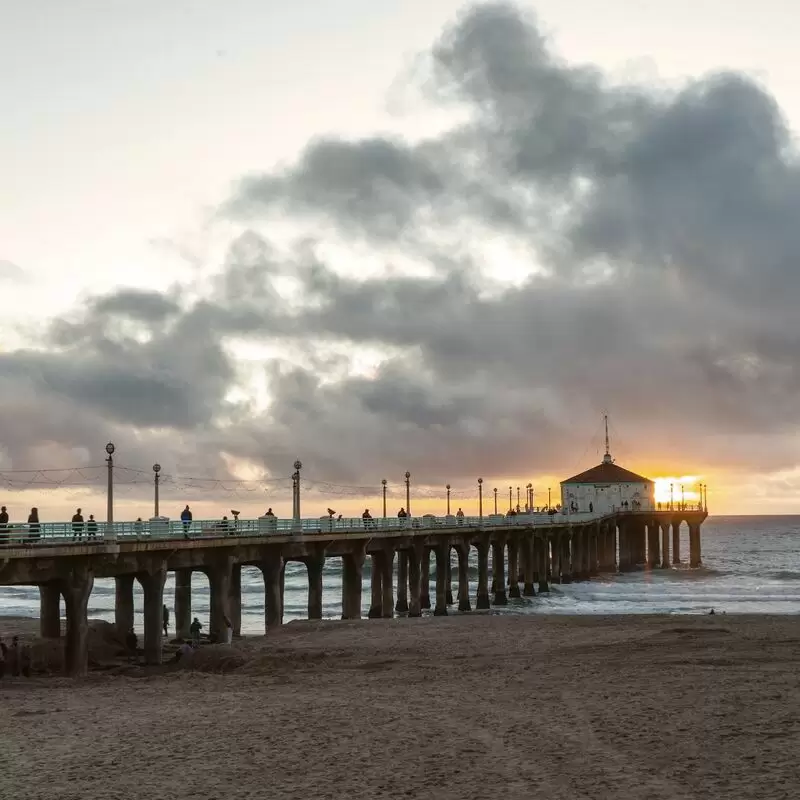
[(62, 533)]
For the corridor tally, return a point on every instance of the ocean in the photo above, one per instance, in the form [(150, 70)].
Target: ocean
[(751, 565)]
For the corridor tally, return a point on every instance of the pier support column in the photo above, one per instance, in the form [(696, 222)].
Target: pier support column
[(387, 583), (593, 535), (556, 558), (425, 580), (577, 556), (76, 589), (653, 548), (49, 611), (442, 562), (665, 545), (352, 583), (219, 584), (542, 557), (482, 596), (152, 584), (272, 570), (694, 546), (376, 586), (513, 569), (402, 582), (183, 603), (462, 551), (498, 573), (123, 603), (528, 567), (676, 542), (314, 565), (414, 580), (236, 599), (449, 578)]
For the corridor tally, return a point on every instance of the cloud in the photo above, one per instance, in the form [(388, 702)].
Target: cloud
[(11, 272), (657, 230)]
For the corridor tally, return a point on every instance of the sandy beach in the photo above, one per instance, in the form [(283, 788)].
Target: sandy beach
[(460, 707)]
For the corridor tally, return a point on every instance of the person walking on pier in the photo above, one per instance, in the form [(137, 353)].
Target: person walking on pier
[(367, 517), (77, 525), (3, 517), (91, 527), (195, 629), (165, 619), (33, 523), (186, 519), (460, 516)]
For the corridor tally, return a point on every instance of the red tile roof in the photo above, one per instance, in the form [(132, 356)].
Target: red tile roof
[(607, 473)]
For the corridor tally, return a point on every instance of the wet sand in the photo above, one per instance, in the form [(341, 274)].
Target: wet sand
[(458, 707)]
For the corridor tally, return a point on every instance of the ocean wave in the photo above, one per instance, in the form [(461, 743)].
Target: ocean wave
[(785, 575)]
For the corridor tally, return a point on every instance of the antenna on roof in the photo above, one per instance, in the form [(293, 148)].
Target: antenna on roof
[(607, 457)]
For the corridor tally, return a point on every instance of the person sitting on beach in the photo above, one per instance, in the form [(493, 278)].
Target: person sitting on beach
[(184, 651), (195, 629)]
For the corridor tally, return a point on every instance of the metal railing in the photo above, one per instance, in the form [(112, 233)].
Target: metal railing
[(68, 533)]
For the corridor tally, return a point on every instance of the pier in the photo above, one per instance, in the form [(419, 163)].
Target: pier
[(523, 554)]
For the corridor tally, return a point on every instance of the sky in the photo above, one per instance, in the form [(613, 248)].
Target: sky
[(433, 236)]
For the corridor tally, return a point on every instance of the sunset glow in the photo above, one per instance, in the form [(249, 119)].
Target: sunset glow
[(691, 489)]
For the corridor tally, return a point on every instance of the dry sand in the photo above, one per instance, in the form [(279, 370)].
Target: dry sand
[(461, 707)]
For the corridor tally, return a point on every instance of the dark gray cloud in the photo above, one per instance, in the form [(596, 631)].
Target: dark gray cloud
[(660, 230)]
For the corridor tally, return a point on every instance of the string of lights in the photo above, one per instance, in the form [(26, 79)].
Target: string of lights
[(127, 479)]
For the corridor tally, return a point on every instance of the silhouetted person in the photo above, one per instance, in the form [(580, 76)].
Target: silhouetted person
[(591, 508), (460, 516), (195, 629), (77, 525), (401, 514), (165, 619), (91, 527), (3, 517), (186, 519), (33, 523), (269, 513), (367, 517)]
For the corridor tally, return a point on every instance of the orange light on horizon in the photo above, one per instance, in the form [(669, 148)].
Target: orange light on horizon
[(691, 489)]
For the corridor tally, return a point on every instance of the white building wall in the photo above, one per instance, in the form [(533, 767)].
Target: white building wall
[(608, 497)]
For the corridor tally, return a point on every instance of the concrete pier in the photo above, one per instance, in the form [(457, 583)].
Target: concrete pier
[(49, 611), (402, 582), (482, 596), (153, 587), (415, 580), (387, 582), (676, 542), (352, 583), (425, 580), (462, 551), (566, 547), (314, 565), (442, 553), (376, 586), (498, 573), (123, 603), (513, 569)]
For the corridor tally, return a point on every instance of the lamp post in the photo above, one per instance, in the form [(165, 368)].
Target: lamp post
[(671, 487), (683, 500), (495, 500), (110, 491), (517, 499), (156, 470), (705, 502), (448, 499), (383, 483), (480, 498), (408, 493), (510, 495), (298, 465), (549, 504), (529, 501)]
